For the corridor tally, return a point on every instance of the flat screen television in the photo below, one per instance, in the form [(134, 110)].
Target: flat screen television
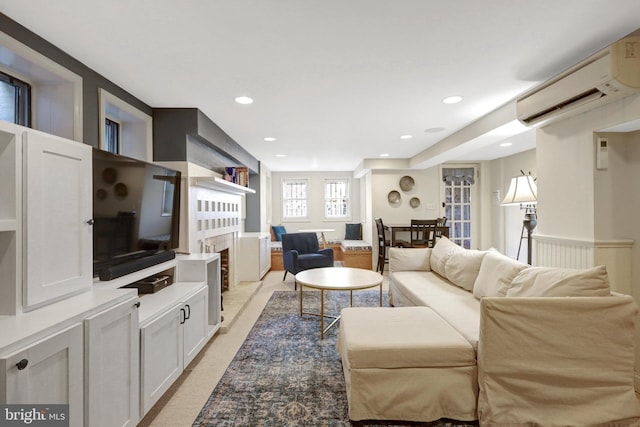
[(136, 214)]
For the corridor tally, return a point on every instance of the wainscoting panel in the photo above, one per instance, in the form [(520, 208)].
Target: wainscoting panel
[(551, 251)]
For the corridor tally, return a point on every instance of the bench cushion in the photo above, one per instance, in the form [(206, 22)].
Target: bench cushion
[(404, 337)]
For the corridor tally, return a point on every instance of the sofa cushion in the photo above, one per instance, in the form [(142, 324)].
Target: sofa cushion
[(560, 282), (408, 337), (410, 259), (353, 231), (442, 251), (495, 275), (418, 287), (278, 231), (462, 268), (460, 311)]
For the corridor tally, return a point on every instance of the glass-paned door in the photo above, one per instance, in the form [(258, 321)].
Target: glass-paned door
[(459, 203)]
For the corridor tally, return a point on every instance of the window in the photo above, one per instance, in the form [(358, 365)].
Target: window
[(167, 196), (294, 198), (336, 199), (459, 203), (15, 100), (112, 136)]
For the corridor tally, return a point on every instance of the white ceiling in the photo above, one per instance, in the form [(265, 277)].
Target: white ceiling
[(335, 81)]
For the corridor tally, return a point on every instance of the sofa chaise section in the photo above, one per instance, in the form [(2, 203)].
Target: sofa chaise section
[(553, 346)]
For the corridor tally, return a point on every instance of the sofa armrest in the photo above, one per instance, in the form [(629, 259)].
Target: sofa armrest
[(290, 259), (557, 361), (409, 259), (328, 252)]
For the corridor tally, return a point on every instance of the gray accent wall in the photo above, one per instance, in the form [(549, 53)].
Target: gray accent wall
[(179, 134), (91, 81), (187, 134)]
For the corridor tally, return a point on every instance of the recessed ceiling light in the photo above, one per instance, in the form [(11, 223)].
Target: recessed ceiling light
[(434, 130), (269, 139), (406, 137), (244, 100), (384, 155), (452, 99), (281, 155), (506, 144)]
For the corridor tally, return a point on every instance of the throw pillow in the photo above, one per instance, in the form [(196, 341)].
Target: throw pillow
[(278, 230), (495, 275), (560, 282), (409, 259), (353, 231), (442, 250), (462, 268)]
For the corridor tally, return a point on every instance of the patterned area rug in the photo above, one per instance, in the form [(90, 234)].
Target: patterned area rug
[(285, 375)]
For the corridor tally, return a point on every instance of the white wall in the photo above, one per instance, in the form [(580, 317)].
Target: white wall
[(505, 226), (616, 189), (315, 199), (575, 200), (426, 188)]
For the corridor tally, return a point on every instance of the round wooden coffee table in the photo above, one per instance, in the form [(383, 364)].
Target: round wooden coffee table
[(336, 279)]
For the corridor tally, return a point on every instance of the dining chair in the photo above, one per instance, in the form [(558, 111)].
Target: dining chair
[(438, 232), (383, 244), (422, 231)]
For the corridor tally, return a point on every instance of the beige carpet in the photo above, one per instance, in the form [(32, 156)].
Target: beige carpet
[(243, 305)]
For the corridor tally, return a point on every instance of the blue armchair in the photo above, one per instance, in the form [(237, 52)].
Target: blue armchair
[(301, 251)]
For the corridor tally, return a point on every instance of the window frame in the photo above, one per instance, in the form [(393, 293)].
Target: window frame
[(109, 123), (285, 199), (327, 199), (22, 105)]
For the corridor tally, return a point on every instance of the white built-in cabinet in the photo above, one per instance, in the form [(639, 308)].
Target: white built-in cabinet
[(45, 218), (254, 256), (170, 341), (66, 337), (57, 218), (49, 371), (112, 366)]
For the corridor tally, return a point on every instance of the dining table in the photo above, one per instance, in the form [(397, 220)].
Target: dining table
[(398, 228), (397, 233), (321, 231)]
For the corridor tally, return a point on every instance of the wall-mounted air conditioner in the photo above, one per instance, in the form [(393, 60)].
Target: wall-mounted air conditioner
[(610, 74)]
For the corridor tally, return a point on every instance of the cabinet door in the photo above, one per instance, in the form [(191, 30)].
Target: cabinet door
[(47, 372), (195, 324), (112, 370), (265, 256), (161, 355), (57, 205)]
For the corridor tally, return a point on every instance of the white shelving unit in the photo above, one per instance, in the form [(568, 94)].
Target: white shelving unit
[(71, 340), (254, 256)]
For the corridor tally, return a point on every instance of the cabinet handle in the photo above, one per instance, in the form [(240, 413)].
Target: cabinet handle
[(184, 316), (22, 364), (137, 304), (91, 221), (188, 314)]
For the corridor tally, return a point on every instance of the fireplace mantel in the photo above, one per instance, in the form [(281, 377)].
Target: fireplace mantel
[(219, 184)]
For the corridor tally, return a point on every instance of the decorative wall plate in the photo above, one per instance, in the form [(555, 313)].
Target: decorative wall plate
[(121, 190), (393, 197), (109, 175), (406, 183), (414, 202), (101, 194)]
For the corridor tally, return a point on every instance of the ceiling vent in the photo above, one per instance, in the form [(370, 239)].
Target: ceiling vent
[(608, 75)]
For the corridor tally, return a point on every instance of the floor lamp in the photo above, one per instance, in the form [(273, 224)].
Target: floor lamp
[(524, 192)]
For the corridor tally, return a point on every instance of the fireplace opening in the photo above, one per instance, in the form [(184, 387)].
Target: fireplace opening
[(224, 270)]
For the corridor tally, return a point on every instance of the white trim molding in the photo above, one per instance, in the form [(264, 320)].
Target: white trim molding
[(615, 254)]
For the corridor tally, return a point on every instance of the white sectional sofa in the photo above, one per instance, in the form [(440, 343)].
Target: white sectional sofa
[(553, 347)]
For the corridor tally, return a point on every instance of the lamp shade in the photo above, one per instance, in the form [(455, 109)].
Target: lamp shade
[(522, 189)]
